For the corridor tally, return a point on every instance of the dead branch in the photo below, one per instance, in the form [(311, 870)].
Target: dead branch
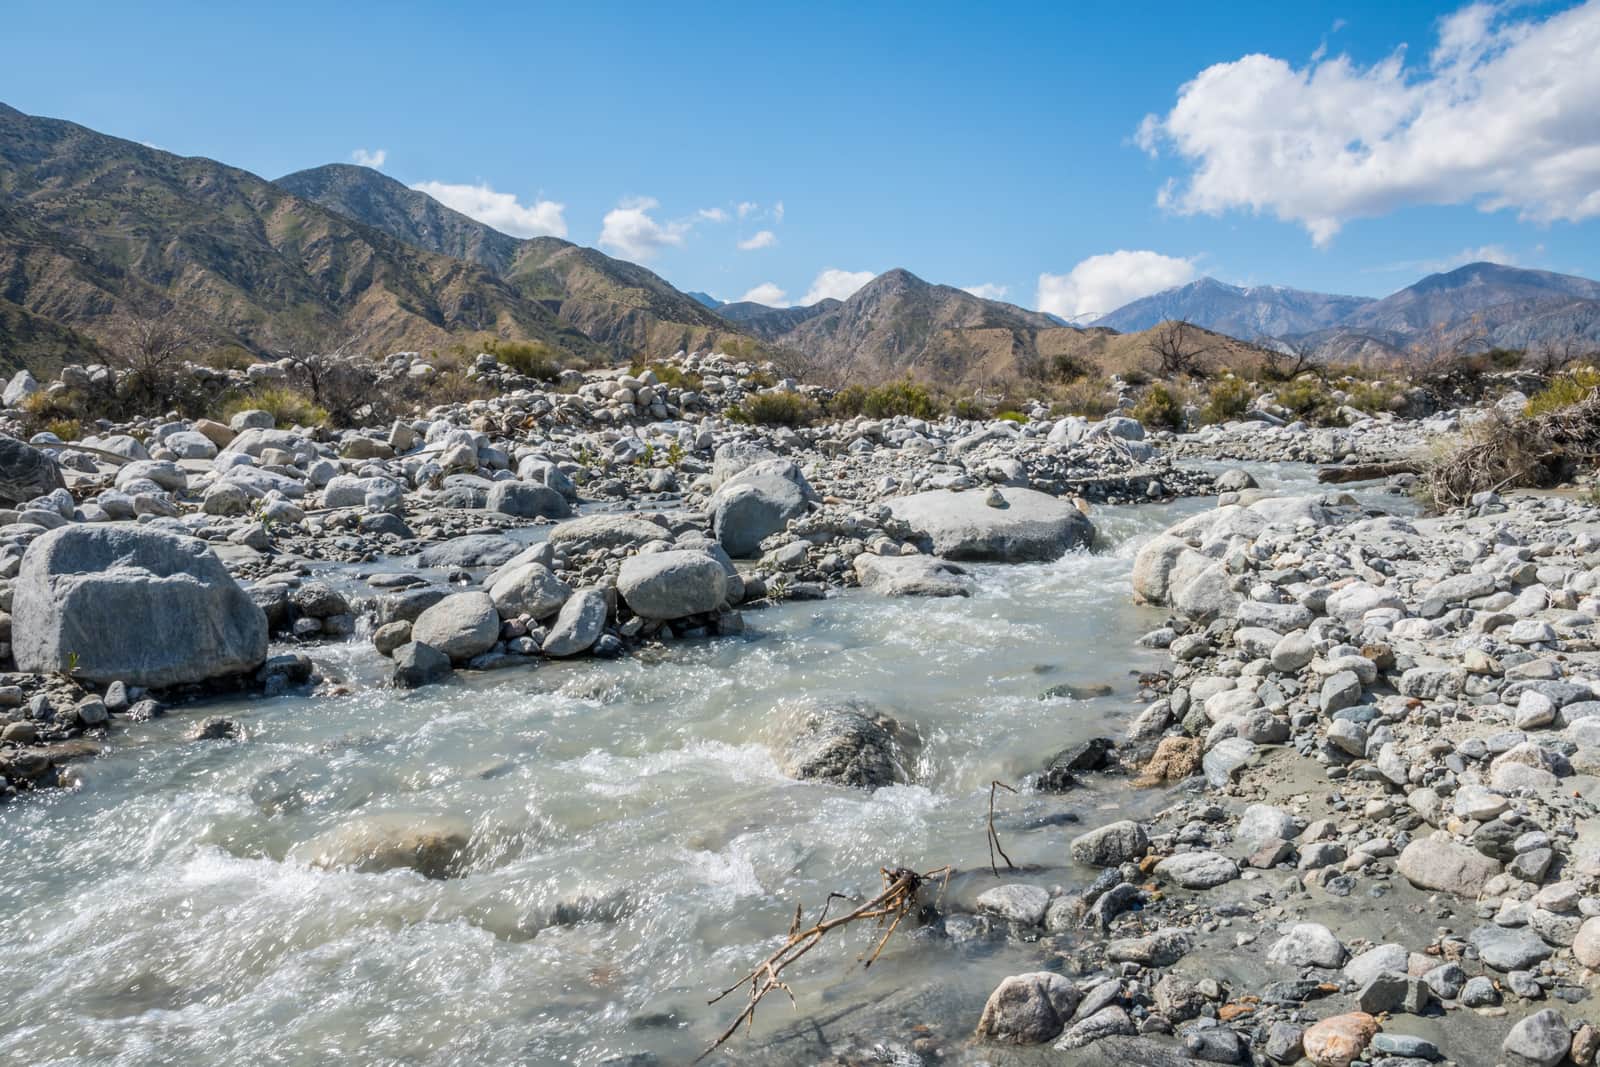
[(1502, 453), (994, 837), (897, 900)]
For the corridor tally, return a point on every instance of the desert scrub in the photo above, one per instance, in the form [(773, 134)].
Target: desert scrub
[(775, 409), (1160, 408), (286, 406), (65, 429), (904, 397), (1373, 397), (531, 359), (1089, 397), (1308, 398), (1010, 415), (1565, 389), (669, 374), (967, 407), (1228, 399)]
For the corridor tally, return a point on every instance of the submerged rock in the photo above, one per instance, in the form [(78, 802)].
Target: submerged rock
[(431, 845), (846, 744), (121, 603), (912, 576)]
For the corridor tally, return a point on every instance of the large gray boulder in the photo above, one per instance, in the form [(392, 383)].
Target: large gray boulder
[(1028, 1009), (470, 550), (1033, 526), (1431, 863), (461, 625), (912, 576), (606, 531), (671, 585), (528, 589), (845, 743), (756, 503), (25, 473), (578, 627), (526, 501), (120, 603), (734, 458)]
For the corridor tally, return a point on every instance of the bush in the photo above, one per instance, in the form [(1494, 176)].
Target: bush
[(287, 407), (1564, 390), (65, 429), (775, 409), (1089, 397), (1160, 408), (1228, 399), (904, 397), (669, 374), (967, 407), (1011, 416), (1307, 398), (1068, 368), (1373, 397), (532, 359)]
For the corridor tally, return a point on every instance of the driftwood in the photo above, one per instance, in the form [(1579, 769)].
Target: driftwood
[(994, 837), (1514, 453), (1366, 472), (897, 900)]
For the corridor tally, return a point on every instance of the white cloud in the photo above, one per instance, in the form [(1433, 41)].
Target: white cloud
[(1100, 284), (746, 207), (712, 214), (373, 158), (500, 210), (630, 231), (835, 284), (1501, 115), (769, 294), (762, 239), (987, 291), (1482, 254), (777, 211)]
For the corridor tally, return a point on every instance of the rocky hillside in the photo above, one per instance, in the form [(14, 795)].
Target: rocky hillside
[(622, 306), (96, 228), (770, 323)]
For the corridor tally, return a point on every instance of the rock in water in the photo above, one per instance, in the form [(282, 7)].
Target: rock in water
[(461, 625), (1028, 1009), (578, 626), (911, 576), (846, 744), (25, 473), (1035, 526), (118, 603), (671, 585), (757, 502), (432, 845)]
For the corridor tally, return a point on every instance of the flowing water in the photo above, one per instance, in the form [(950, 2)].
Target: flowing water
[(634, 846)]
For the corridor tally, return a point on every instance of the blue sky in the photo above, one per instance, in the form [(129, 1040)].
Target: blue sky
[(1017, 148)]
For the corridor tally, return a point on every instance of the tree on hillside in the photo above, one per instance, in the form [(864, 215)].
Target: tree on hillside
[(149, 350), (1180, 348), (1283, 360)]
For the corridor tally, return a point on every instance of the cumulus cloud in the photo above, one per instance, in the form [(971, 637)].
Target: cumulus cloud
[(986, 291), (542, 218), (761, 239), (1482, 254), (746, 207), (835, 284), (370, 158), (712, 214), (631, 232), (1500, 115), (1100, 284), (769, 294)]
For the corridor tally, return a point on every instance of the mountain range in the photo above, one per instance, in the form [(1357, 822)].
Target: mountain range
[(96, 229)]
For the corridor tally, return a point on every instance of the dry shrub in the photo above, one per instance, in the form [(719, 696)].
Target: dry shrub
[(1089, 397), (776, 409), (1160, 408), (287, 407), (1505, 452)]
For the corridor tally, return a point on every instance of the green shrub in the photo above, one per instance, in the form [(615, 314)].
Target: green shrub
[(1011, 416), (967, 407), (532, 359), (1228, 399), (669, 374), (1089, 397), (287, 407), (1160, 408), (1068, 368), (1564, 390), (904, 397), (65, 429), (1307, 398), (1373, 397), (775, 409)]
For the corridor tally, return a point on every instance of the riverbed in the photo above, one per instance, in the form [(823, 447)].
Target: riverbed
[(634, 845)]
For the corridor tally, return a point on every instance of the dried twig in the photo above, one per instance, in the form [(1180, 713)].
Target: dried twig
[(897, 900), (994, 837)]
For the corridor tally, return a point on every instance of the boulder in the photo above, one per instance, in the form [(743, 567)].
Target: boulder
[(1308, 945), (912, 576), (526, 501), (578, 626), (844, 743), (25, 473), (528, 589), (416, 664), (1339, 1041), (461, 625), (1032, 526), (432, 845), (1430, 863), (1540, 1040), (133, 604), (673, 584), (472, 550), (606, 531), (1111, 845), (1028, 1009), (757, 502)]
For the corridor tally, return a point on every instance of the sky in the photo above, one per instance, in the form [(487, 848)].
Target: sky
[(1064, 157)]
